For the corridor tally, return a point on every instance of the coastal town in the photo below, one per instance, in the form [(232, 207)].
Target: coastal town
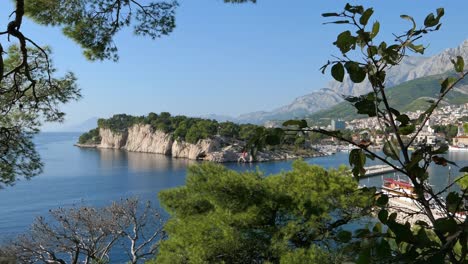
[(447, 125)]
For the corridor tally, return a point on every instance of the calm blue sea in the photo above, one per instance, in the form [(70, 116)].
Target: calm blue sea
[(73, 176)]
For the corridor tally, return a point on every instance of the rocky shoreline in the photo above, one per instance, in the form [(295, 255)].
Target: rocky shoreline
[(142, 138)]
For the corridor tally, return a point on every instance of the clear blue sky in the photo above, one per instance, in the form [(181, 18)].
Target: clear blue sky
[(227, 59)]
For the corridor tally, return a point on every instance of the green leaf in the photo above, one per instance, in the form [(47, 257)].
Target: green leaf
[(337, 71), (390, 150), (418, 172), (372, 51), (394, 111), (403, 119), (300, 123), (383, 216), (330, 14), (383, 249), (338, 22), (375, 29), (377, 227), (446, 225), (440, 12), (344, 236), (366, 107), (365, 16), (417, 48), (447, 83), (453, 201), (357, 159), (356, 73), (382, 200), (459, 64), (402, 232), (409, 18), (354, 9), (416, 157), (364, 256), (436, 258), (422, 238), (345, 41), (406, 130), (430, 20)]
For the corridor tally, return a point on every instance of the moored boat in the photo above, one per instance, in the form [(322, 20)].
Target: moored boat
[(458, 148)]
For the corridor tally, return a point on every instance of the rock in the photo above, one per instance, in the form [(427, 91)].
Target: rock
[(113, 140), (142, 138)]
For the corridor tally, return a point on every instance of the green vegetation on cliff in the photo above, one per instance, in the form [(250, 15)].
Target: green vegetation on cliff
[(91, 137), (189, 129)]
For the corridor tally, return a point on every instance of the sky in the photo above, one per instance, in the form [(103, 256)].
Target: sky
[(226, 59)]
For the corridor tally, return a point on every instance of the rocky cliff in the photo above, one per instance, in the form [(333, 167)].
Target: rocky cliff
[(142, 138)]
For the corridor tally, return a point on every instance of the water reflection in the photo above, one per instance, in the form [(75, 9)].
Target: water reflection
[(155, 162)]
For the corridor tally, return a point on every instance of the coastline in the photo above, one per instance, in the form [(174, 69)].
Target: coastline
[(269, 156)]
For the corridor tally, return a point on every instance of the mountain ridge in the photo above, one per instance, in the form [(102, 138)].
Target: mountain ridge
[(411, 67)]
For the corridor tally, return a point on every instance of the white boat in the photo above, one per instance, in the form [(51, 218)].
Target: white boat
[(404, 191), (458, 148)]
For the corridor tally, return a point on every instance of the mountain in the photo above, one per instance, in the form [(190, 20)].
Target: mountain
[(301, 106), (410, 68), (408, 96)]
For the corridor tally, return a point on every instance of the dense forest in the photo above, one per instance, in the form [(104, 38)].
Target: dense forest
[(189, 129)]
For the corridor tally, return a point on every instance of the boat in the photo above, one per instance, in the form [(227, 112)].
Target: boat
[(459, 147), (404, 191), (400, 189)]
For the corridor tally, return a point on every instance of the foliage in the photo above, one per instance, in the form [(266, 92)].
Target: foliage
[(93, 24), (223, 216), (88, 235), (91, 137), (189, 129), (25, 98), (443, 238)]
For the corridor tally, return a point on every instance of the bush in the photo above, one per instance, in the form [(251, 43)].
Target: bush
[(91, 137)]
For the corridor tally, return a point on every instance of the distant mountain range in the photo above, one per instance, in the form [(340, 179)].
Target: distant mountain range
[(409, 96), (410, 68), (79, 127), (327, 102)]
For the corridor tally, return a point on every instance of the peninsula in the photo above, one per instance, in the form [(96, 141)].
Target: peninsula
[(187, 137)]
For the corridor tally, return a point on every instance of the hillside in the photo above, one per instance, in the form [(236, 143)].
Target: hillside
[(408, 96), (411, 68)]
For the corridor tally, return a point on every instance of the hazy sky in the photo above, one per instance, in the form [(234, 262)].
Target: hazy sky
[(227, 59)]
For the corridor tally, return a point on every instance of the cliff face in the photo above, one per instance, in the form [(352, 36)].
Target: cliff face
[(142, 138), (112, 140)]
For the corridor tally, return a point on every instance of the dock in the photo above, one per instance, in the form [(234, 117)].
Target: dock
[(378, 170)]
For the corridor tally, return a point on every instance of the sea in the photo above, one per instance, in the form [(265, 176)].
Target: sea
[(76, 176)]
